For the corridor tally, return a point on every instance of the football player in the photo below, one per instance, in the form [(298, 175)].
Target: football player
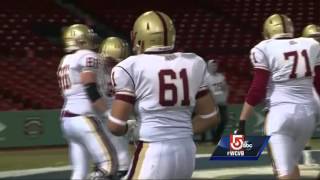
[(284, 71), (77, 75), (312, 31), (112, 51), (219, 90), (163, 88)]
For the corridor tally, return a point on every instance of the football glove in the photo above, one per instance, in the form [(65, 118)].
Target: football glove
[(132, 132)]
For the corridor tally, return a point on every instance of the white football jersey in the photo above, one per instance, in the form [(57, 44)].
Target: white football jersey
[(291, 64), (164, 88), (70, 68), (218, 87)]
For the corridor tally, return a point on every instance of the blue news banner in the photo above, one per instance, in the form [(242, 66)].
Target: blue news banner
[(240, 147)]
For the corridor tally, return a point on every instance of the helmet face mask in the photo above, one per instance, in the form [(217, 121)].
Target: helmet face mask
[(153, 31), (79, 36), (278, 26), (114, 49), (312, 31)]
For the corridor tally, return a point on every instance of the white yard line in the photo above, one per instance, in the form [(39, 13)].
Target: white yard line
[(26, 172), (309, 171), (219, 173), (208, 173), (17, 173)]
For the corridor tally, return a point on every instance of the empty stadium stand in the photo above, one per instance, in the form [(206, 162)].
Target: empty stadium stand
[(220, 29)]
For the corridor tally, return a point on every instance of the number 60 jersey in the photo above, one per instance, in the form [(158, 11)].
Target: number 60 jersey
[(291, 65), (70, 68), (163, 88)]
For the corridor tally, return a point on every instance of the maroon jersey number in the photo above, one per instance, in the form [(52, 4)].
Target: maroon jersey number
[(165, 86), (295, 56), (63, 77)]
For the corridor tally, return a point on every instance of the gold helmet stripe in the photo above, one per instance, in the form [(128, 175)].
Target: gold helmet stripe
[(283, 23), (165, 28)]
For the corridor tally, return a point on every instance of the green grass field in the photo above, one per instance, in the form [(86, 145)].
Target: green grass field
[(53, 157)]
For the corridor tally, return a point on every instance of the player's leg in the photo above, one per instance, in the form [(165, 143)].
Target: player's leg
[(281, 143), (305, 121), (142, 159), (184, 160), (216, 134), (77, 152), (281, 151), (99, 147), (121, 145), (172, 159), (79, 161)]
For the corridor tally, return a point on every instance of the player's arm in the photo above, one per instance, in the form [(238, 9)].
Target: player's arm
[(225, 86), (122, 105), (316, 79), (207, 113), (118, 117), (89, 80), (88, 76), (258, 88)]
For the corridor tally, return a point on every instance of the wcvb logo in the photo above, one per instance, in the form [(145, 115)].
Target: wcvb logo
[(236, 142)]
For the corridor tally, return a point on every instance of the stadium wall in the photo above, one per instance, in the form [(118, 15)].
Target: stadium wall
[(41, 128)]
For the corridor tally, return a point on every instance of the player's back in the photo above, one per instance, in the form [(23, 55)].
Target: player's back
[(165, 88), (72, 89), (291, 63)]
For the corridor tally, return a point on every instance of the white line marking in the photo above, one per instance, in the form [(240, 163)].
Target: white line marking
[(208, 173), (17, 173)]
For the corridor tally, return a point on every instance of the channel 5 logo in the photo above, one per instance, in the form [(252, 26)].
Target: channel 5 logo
[(236, 142), (240, 147)]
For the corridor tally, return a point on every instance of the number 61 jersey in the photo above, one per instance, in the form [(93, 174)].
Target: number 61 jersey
[(291, 65), (163, 88)]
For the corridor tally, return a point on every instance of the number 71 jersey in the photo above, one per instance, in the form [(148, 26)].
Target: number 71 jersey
[(291, 65), (164, 88)]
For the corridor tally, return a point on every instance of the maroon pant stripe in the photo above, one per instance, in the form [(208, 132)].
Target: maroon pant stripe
[(135, 159)]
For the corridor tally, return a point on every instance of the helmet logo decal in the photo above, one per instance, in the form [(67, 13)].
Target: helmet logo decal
[(165, 29), (283, 24), (148, 26)]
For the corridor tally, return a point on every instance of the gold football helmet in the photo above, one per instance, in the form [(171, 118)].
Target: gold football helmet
[(278, 26), (153, 31), (115, 48), (78, 36), (312, 31)]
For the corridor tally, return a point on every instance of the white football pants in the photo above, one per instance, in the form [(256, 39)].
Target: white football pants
[(87, 140), (170, 159), (290, 127)]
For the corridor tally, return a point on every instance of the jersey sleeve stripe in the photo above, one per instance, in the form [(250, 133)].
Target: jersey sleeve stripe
[(128, 93), (202, 93), (261, 67), (126, 98)]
